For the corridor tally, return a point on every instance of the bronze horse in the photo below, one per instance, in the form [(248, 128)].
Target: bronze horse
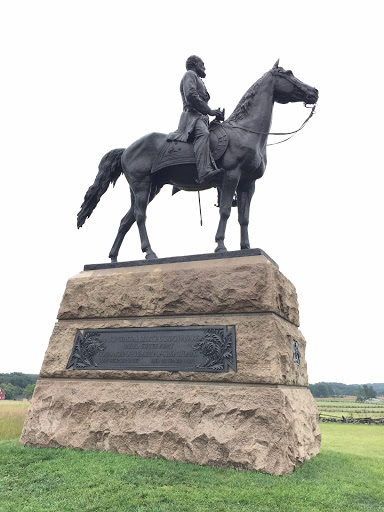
[(244, 161)]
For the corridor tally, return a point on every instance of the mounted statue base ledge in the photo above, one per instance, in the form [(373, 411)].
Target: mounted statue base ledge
[(260, 417)]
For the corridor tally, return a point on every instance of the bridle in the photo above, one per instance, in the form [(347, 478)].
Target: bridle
[(306, 105)]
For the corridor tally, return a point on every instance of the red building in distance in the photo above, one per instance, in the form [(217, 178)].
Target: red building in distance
[(2, 394)]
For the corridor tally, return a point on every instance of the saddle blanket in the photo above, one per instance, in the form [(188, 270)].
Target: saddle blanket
[(179, 153)]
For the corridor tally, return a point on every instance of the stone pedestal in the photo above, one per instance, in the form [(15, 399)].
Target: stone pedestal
[(261, 417)]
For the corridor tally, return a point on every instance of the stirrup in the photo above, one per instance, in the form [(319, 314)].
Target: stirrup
[(208, 175)]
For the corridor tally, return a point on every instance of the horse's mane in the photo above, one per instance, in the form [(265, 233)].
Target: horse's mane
[(246, 101)]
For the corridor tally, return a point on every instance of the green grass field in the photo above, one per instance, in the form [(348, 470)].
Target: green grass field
[(12, 415), (348, 474)]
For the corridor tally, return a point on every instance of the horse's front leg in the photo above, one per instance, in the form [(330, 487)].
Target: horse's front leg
[(142, 194), (228, 188), (244, 197)]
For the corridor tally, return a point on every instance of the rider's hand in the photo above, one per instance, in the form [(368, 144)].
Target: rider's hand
[(217, 113)]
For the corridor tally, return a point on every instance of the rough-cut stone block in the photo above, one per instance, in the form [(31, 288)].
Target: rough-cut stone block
[(235, 285), (263, 344), (266, 428), (261, 417)]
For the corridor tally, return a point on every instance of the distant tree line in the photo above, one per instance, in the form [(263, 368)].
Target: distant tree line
[(321, 390), (328, 389), (17, 385)]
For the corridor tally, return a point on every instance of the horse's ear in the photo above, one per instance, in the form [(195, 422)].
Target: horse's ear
[(276, 64)]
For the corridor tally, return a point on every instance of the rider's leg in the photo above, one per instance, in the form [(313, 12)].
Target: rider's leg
[(206, 167)]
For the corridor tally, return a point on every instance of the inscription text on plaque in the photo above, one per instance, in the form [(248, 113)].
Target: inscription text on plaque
[(195, 348)]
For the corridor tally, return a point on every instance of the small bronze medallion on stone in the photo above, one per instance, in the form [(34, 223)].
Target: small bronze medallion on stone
[(296, 353), (176, 349)]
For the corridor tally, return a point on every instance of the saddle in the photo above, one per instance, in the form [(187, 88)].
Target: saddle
[(179, 153)]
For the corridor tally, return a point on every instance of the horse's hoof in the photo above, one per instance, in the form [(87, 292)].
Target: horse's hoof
[(221, 249), (114, 259), (151, 256)]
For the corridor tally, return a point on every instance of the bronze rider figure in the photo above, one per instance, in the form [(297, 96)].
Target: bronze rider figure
[(194, 119)]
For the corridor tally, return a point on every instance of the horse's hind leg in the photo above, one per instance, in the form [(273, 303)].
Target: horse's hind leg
[(125, 225), (142, 197), (244, 197)]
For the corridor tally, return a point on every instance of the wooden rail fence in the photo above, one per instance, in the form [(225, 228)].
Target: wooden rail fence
[(327, 418)]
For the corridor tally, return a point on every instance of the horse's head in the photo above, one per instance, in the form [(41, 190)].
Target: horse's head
[(289, 89)]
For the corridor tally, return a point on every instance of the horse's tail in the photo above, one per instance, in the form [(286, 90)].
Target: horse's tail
[(109, 172)]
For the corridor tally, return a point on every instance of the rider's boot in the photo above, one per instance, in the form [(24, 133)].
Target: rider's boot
[(208, 175)]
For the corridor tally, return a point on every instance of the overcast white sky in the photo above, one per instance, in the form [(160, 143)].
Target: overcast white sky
[(80, 78)]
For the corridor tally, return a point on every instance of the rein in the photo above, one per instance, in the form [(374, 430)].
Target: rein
[(231, 125)]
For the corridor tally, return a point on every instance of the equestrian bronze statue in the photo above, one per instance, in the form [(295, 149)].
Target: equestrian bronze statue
[(238, 146)]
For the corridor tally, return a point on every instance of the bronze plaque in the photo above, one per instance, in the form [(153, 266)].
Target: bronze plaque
[(175, 349)]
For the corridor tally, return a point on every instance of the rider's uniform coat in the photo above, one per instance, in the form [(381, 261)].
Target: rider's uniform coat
[(195, 106)]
